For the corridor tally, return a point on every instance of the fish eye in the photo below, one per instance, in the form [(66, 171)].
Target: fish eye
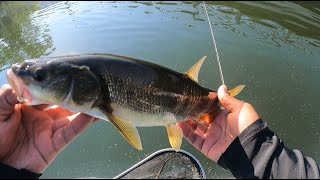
[(39, 74)]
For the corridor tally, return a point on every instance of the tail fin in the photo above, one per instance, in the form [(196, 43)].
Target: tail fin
[(235, 91)]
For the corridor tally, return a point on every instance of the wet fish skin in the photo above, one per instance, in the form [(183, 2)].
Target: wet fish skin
[(134, 84), (129, 92)]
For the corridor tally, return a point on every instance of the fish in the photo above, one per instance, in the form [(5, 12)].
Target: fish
[(125, 91)]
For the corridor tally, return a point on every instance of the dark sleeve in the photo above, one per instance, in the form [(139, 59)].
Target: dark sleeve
[(8, 172), (258, 153)]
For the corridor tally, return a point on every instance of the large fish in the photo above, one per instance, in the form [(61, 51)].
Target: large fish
[(125, 91)]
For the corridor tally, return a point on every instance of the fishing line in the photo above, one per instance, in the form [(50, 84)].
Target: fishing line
[(214, 42)]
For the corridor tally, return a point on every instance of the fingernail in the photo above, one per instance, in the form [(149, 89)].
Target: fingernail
[(224, 88)]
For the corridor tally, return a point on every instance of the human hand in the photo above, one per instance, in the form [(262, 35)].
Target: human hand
[(32, 137), (213, 140)]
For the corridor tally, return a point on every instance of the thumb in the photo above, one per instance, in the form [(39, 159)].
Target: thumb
[(8, 99), (226, 100)]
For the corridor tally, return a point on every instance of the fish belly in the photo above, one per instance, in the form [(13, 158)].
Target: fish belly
[(143, 119)]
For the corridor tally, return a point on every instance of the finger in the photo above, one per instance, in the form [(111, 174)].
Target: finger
[(60, 123), (187, 130), (8, 100), (57, 112), (190, 135), (226, 100), (212, 137), (77, 123), (213, 95), (200, 131), (41, 107), (187, 127), (192, 124), (67, 128), (198, 142)]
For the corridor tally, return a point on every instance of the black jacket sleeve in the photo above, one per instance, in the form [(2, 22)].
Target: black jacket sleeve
[(258, 153), (8, 172)]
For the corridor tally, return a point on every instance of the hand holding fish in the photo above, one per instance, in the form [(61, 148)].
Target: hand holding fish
[(30, 137), (213, 140)]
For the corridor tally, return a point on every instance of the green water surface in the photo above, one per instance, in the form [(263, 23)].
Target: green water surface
[(271, 47)]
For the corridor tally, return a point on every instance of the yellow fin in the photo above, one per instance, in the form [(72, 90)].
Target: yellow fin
[(235, 91), (127, 130), (193, 72), (175, 135)]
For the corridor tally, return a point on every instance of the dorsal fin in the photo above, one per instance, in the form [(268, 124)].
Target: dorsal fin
[(193, 72)]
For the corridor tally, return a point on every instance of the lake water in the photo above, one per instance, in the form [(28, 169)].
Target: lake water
[(271, 47)]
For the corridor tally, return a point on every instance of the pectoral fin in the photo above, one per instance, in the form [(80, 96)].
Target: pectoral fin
[(193, 72), (235, 91), (175, 135), (128, 131), (204, 120)]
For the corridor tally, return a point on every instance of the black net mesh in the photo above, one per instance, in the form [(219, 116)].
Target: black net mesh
[(166, 164)]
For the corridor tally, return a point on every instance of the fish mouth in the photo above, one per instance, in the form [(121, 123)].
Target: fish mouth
[(19, 87)]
